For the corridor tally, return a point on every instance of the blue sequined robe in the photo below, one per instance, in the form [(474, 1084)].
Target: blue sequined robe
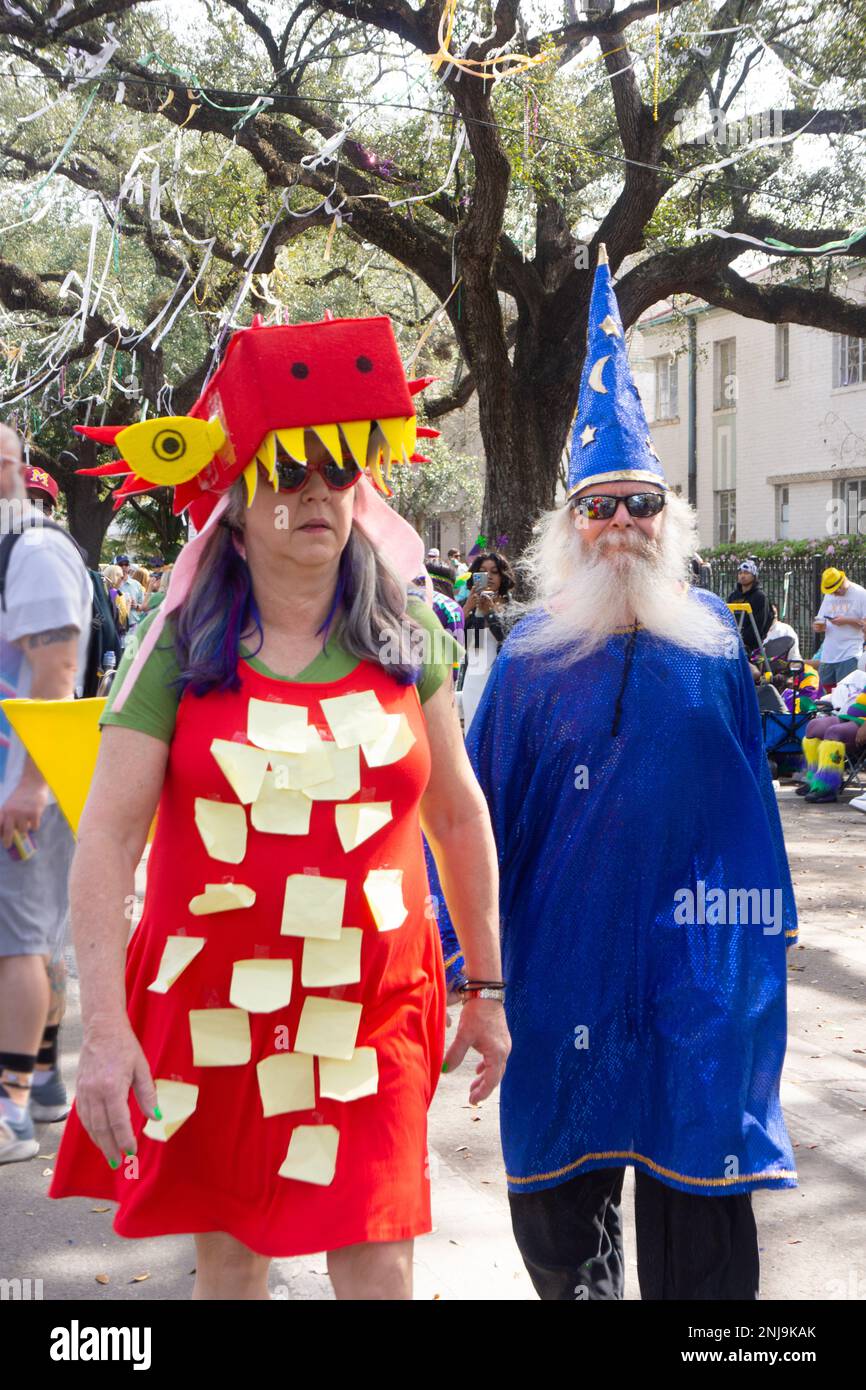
[(645, 1030)]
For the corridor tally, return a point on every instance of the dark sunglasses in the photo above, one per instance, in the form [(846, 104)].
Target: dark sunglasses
[(602, 506), (291, 475)]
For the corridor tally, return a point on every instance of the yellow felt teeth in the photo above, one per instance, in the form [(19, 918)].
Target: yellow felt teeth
[(330, 437), (293, 443), (410, 437), (251, 478), (266, 454), (357, 436), (377, 476), (392, 430)]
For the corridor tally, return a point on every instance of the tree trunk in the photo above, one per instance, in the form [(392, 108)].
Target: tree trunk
[(525, 418), (89, 518)]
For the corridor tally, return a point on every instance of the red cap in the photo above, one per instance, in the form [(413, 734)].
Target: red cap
[(37, 478)]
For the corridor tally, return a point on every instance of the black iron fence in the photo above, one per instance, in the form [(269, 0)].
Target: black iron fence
[(794, 585)]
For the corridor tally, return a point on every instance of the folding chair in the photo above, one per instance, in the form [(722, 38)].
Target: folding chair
[(854, 778), (741, 612)]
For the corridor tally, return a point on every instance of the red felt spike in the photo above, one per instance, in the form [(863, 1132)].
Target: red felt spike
[(421, 383), (258, 321), (418, 458), (425, 432), (105, 470), (103, 434), (185, 494), (130, 488)]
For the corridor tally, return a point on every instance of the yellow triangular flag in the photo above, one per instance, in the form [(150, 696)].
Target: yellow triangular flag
[(62, 738)]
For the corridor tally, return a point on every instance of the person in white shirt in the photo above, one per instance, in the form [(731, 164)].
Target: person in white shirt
[(45, 622), (780, 629), (841, 622)]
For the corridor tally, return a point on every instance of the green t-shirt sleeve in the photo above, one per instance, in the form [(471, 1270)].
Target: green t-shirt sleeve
[(152, 704), (442, 651)]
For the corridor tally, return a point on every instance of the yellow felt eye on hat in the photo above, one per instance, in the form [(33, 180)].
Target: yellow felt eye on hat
[(170, 449)]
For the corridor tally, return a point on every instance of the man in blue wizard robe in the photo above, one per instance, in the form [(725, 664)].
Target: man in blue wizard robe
[(646, 902)]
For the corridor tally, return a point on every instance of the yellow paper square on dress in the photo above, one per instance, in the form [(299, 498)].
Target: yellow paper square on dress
[(286, 1082), (220, 1037), (261, 985), (177, 953), (297, 771), (222, 897), (359, 820), (280, 812), (392, 745), (350, 1080), (243, 767), (313, 906), (327, 963), (328, 1027), (223, 829), (312, 1154), (277, 727), (346, 778), (355, 719), (383, 889), (176, 1100)]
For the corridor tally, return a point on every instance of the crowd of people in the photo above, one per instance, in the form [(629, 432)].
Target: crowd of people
[(285, 984)]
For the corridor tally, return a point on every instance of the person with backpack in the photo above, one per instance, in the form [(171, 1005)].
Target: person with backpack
[(46, 628)]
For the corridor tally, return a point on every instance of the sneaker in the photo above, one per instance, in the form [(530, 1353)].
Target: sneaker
[(820, 798), (803, 789), (859, 802), (49, 1102), (17, 1139)]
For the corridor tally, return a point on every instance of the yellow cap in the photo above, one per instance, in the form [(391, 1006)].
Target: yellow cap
[(831, 580)]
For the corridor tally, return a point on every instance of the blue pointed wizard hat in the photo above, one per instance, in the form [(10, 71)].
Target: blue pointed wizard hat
[(611, 439)]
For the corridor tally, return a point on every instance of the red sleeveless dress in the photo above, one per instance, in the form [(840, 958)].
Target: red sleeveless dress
[(362, 1175)]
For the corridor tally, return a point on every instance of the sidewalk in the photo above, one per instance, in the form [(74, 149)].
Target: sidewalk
[(813, 1238)]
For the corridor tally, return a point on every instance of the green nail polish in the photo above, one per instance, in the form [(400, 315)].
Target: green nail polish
[(444, 1066), (128, 1153), (112, 1163), (157, 1113)]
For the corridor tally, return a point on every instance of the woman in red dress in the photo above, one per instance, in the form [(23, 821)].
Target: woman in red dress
[(281, 1023)]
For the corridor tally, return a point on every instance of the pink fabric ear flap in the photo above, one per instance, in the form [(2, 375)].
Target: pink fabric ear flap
[(182, 576), (391, 534)]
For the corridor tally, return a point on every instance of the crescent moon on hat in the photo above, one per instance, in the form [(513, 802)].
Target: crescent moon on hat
[(595, 380)]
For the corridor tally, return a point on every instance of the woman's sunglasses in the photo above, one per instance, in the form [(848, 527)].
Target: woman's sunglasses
[(292, 476), (602, 506)]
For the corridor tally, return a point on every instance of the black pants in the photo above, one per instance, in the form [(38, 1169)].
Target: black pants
[(689, 1246)]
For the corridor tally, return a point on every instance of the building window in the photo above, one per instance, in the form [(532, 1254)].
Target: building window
[(849, 361), (849, 509), (781, 352), (667, 388), (783, 513), (725, 374), (434, 534), (726, 516)]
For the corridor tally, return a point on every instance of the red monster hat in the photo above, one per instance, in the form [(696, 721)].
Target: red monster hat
[(339, 377)]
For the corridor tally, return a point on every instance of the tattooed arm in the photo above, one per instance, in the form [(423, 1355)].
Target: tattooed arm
[(53, 657)]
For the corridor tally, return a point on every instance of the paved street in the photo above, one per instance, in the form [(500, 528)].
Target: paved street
[(813, 1239)]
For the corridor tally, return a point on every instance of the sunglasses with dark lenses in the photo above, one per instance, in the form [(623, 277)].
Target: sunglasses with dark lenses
[(602, 506), (291, 475)]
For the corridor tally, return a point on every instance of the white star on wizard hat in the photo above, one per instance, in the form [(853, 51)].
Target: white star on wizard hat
[(611, 439)]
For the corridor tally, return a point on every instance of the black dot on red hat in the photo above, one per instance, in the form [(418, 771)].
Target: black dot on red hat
[(300, 370), (363, 364)]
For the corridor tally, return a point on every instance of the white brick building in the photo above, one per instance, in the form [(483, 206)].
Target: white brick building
[(773, 417)]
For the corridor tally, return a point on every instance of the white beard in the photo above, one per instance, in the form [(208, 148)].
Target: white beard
[(586, 591)]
